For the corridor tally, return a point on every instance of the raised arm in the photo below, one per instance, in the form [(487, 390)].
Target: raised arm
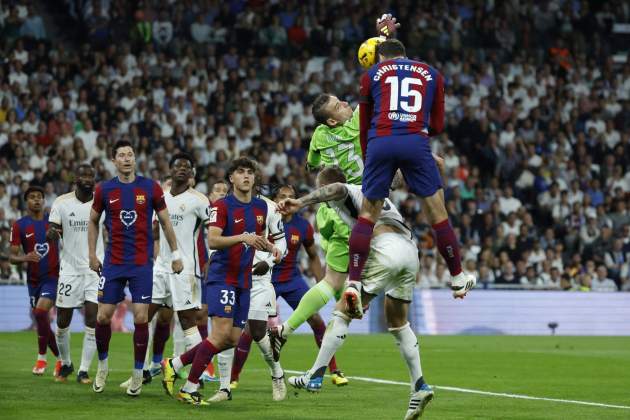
[(331, 192)]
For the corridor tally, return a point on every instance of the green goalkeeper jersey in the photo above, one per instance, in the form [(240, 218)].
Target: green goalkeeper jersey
[(338, 146)]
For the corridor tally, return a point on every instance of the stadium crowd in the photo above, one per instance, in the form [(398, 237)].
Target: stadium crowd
[(536, 150)]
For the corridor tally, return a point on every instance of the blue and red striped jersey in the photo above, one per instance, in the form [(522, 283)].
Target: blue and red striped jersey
[(298, 231), (401, 96), (128, 214), (233, 265), (30, 234)]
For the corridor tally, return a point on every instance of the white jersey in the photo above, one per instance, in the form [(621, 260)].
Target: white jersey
[(189, 212), (73, 216), (274, 231), (348, 209)]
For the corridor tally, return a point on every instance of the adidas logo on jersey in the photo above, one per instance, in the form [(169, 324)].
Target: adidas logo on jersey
[(72, 214), (187, 302), (268, 305)]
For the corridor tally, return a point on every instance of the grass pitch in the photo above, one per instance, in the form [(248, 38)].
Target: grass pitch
[(593, 369)]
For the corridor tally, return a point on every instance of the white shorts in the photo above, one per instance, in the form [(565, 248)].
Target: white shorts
[(74, 290), (391, 267), (178, 291), (262, 299)]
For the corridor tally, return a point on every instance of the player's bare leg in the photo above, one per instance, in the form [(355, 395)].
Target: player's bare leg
[(359, 244), (45, 336), (103, 333), (396, 313), (160, 337), (315, 299), (447, 243)]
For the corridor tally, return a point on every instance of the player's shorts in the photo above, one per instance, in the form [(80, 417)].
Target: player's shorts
[(227, 301), (178, 291), (114, 278), (45, 288), (337, 255), (291, 291), (411, 154), (74, 290), (262, 303), (391, 267)]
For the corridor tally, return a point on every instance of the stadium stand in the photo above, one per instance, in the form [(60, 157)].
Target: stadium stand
[(537, 145)]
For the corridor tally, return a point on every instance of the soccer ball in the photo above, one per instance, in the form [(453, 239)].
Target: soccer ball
[(367, 51)]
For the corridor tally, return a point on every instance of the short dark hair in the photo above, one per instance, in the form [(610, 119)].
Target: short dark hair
[(119, 144), (281, 186), (218, 181), (34, 188), (318, 108), (181, 155), (242, 162), (331, 174), (391, 48)]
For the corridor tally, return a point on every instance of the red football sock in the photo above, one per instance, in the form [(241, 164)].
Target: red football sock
[(140, 343), (43, 329), (240, 355), (202, 358), (103, 334), (188, 357), (318, 332), (203, 331), (359, 242), (162, 333), (448, 246)]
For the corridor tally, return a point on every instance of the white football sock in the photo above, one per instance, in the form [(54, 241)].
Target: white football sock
[(192, 337), (265, 348), (225, 359), (407, 342), (89, 348), (41, 357), (177, 364), (179, 342), (190, 387), (136, 373), (334, 338), (102, 365), (62, 335), (147, 356)]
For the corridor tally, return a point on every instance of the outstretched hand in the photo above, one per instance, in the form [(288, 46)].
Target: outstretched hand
[(289, 206)]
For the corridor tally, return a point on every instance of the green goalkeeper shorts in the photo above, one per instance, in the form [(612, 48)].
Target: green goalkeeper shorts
[(334, 234), (337, 254)]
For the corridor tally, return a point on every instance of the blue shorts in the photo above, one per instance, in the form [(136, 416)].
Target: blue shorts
[(411, 153), (114, 278), (45, 288), (204, 295), (227, 301), (291, 291)]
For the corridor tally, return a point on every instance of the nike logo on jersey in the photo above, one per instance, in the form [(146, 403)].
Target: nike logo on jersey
[(145, 297), (45, 294), (114, 200), (238, 220), (28, 235)]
